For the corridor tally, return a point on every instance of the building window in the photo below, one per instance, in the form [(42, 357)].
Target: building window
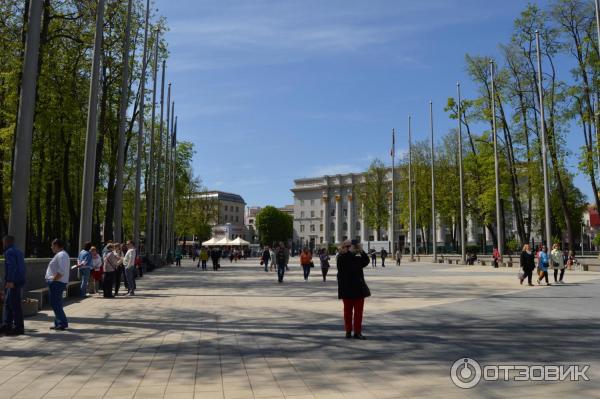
[(237, 208), (225, 217), (226, 207), (312, 202), (345, 212), (320, 240), (312, 214), (321, 214), (345, 226), (321, 227), (332, 226), (301, 202), (357, 225), (312, 227), (237, 219), (301, 228), (332, 240), (302, 214), (332, 213)]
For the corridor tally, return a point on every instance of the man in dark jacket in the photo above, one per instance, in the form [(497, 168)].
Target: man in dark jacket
[(14, 280), (266, 258), (352, 288)]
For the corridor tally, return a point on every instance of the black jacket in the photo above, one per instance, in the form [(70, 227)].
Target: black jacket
[(527, 261), (351, 280)]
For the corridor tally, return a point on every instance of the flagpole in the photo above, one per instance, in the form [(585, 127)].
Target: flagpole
[(118, 207), (410, 209), (433, 218), (89, 161), (167, 144), (149, 239), (499, 224), (155, 231), (140, 141), (393, 204), (544, 145), (463, 251), (17, 223)]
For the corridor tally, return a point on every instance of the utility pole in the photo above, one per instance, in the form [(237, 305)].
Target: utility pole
[(140, 141), (118, 214), (89, 162), (17, 225)]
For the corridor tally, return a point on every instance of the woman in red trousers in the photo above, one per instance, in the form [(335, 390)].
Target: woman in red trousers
[(352, 288)]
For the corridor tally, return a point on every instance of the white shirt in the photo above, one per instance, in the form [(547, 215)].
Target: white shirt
[(59, 264), (129, 260)]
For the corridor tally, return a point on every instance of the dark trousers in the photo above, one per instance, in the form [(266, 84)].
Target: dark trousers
[(382, 261), (306, 269), (215, 263), (543, 275), (355, 306), (374, 261), (107, 285), (562, 274), (204, 265), (119, 275), (324, 271), (280, 272), (527, 274), (130, 278), (56, 302), (12, 314)]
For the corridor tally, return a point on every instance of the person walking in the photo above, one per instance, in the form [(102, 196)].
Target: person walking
[(398, 257), (287, 257), (85, 264), (214, 256), (273, 262), (203, 258), (571, 260), (558, 263), (14, 280), (266, 258), (373, 258), (306, 262), (111, 262), (384, 255), (96, 270), (324, 258), (352, 288), (496, 256), (281, 255), (178, 256), (527, 264), (129, 264), (543, 263), (120, 273), (57, 277)]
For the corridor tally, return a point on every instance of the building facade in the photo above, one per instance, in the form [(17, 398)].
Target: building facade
[(229, 219)]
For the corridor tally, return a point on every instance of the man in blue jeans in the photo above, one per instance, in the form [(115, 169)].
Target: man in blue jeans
[(281, 254), (84, 262), (57, 277), (14, 280)]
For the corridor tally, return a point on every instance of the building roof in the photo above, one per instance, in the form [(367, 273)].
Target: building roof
[(223, 196)]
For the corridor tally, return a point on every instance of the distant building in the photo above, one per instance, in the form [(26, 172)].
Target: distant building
[(589, 228), (229, 216), (250, 222)]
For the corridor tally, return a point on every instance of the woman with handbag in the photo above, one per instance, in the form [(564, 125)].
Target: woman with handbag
[(306, 262), (527, 264), (558, 263), (324, 258), (111, 262), (96, 270), (352, 288)]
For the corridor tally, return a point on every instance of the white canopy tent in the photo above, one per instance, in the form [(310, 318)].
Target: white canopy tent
[(238, 242), (210, 242), (223, 241)]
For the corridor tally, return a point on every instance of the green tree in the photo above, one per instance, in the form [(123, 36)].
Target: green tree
[(373, 197), (274, 225)]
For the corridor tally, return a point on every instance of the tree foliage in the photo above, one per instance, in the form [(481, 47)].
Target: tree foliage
[(274, 225)]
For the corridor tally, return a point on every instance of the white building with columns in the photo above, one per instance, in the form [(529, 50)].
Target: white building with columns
[(325, 212)]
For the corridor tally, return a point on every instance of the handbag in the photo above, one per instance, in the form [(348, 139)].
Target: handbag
[(311, 264), (521, 275)]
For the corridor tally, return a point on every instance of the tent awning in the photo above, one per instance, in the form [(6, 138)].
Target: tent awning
[(239, 242), (210, 242)]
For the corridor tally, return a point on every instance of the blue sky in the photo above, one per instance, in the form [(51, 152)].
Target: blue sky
[(273, 90)]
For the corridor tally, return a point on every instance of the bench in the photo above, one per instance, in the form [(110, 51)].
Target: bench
[(42, 294)]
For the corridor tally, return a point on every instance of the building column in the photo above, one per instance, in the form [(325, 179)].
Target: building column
[(363, 227), (325, 220), (338, 218), (350, 219)]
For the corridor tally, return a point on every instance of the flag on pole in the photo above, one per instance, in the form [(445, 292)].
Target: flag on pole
[(174, 135), (393, 151)]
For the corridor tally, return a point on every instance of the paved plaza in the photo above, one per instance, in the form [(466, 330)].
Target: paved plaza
[(236, 333)]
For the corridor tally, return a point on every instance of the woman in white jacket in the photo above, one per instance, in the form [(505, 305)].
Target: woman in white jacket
[(557, 263)]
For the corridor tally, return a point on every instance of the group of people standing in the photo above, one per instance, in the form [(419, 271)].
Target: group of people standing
[(556, 260), (96, 271)]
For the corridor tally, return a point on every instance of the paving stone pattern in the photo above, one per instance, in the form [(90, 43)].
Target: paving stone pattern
[(236, 333)]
